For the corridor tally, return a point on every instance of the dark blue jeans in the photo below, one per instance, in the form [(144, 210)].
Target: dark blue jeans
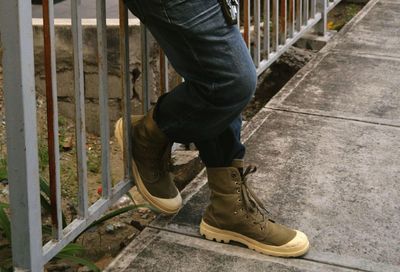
[(220, 76)]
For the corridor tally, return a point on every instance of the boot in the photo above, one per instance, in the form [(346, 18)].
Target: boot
[(236, 214), (151, 153)]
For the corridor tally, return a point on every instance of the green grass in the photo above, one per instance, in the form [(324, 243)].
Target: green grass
[(3, 168)]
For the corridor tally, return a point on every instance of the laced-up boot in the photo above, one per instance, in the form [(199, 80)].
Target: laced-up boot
[(151, 153), (236, 214)]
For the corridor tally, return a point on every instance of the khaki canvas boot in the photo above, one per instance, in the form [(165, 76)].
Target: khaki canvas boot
[(151, 152), (236, 214)]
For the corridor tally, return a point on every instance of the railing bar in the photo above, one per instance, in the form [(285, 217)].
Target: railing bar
[(163, 73), (79, 225), (145, 68), (126, 94), (238, 16), (246, 22), (305, 12), (79, 109), (103, 97), (321, 27), (275, 25), (282, 22), (166, 78), (257, 40), (331, 5), (291, 18), (313, 8), (299, 14), (52, 118), (267, 27), (21, 127), (264, 64)]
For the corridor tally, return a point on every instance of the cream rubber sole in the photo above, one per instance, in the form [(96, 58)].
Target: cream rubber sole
[(164, 205), (298, 246)]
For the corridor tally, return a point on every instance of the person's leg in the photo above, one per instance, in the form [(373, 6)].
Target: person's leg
[(219, 75), (219, 81)]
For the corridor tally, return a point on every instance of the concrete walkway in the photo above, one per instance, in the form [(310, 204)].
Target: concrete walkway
[(328, 150)]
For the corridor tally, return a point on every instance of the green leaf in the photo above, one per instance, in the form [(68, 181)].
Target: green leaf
[(3, 168), (5, 224), (5, 246), (77, 260), (69, 252), (45, 197), (130, 196), (45, 187), (73, 249), (6, 265), (4, 205), (117, 212)]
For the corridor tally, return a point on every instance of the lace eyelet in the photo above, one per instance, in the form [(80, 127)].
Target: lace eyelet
[(238, 191)]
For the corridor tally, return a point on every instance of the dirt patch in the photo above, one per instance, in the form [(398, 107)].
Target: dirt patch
[(342, 14)]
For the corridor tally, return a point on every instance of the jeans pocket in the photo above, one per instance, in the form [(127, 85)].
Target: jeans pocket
[(189, 13)]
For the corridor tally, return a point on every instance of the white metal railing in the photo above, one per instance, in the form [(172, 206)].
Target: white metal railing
[(274, 25)]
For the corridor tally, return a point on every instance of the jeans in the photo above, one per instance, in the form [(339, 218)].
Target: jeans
[(220, 76)]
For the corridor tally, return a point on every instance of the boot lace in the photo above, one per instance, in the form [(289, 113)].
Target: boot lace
[(251, 202)]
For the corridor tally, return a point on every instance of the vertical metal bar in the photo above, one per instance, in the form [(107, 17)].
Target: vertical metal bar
[(22, 149), (291, 19), (145, 68), (52, 118), (313, 7), (246, 22), (124, 60), (299, 14), (79, 108), (257, 35), (275, 25), (267, 28), (163, 73), (282, 22), (238, 16), (103, 97), (322, 28), (305, 11)]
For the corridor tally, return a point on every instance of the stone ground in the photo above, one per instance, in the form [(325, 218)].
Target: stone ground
[(328, 150)]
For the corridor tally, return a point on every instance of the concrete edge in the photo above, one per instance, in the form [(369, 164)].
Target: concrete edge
[(148, 236), (336, 115), (350, 262), (139, 243)]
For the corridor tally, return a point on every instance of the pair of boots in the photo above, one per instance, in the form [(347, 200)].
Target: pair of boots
[(234, 214)]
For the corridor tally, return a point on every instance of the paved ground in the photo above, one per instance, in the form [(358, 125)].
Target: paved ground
[(328, 147)]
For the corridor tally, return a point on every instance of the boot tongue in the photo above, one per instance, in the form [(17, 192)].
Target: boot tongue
[(239, 164)]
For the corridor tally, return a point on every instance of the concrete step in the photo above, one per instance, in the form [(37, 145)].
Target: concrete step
[(161, 251)]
